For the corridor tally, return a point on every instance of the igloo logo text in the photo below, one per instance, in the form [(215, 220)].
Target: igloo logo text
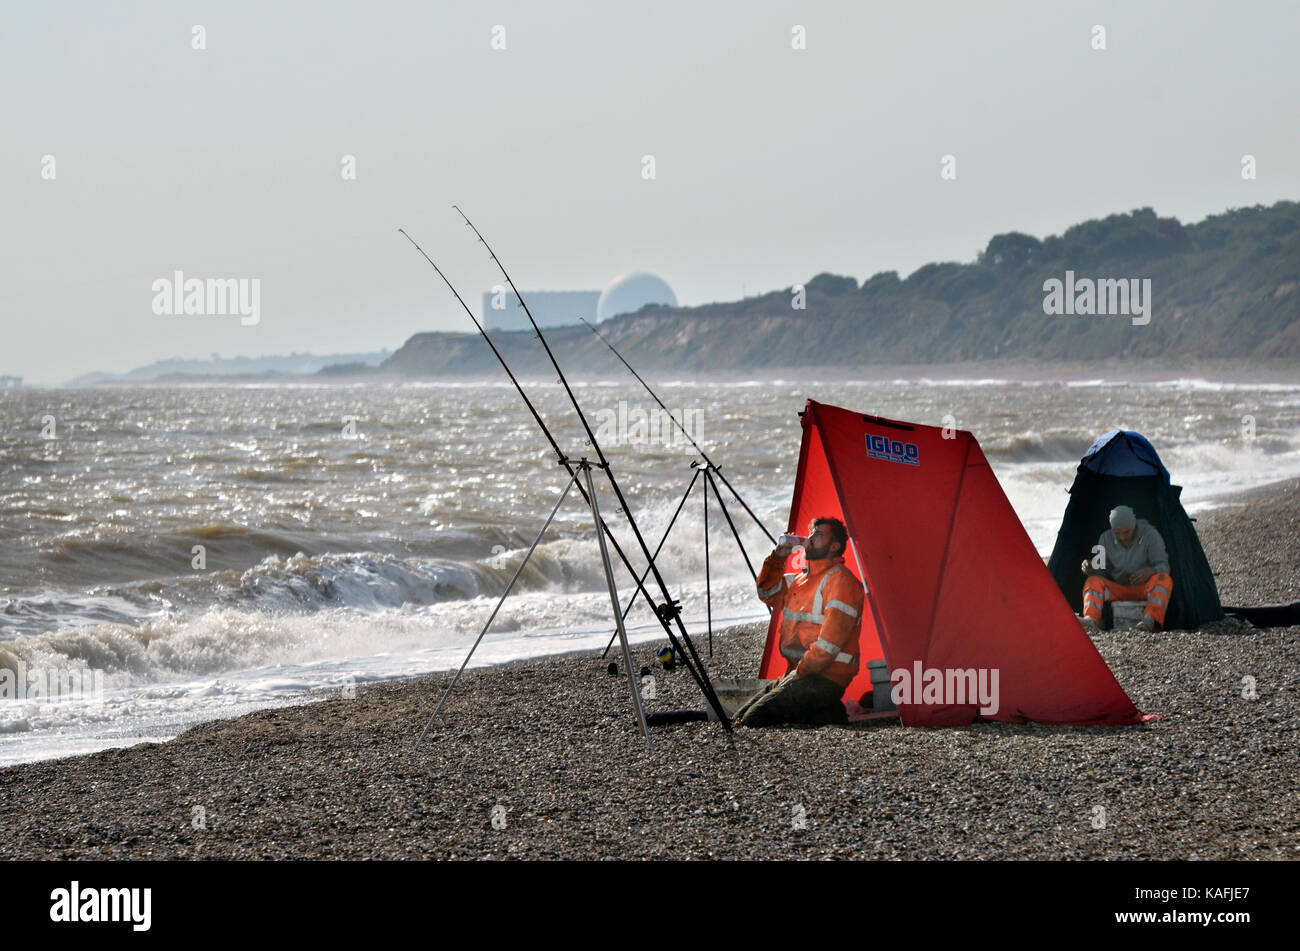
[(893, 450)]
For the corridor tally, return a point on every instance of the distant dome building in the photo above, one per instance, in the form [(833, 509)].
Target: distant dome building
[(631, 292)]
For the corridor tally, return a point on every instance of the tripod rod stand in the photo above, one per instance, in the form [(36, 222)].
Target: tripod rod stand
[(709, 470), (584, 467)]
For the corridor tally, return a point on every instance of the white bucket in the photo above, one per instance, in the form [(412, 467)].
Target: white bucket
[(1126, 614)]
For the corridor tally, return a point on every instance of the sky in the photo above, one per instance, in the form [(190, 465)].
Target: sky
[(135, 145)]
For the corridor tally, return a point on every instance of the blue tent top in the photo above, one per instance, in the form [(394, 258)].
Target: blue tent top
[(1124, 453)]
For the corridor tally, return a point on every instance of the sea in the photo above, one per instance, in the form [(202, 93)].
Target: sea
[(173, 554)]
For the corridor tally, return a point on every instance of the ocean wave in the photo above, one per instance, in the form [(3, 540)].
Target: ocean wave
[(372, 581), (1212, 386), (1037, 447), (359, 580), (49, 610), (981, 381), (213, 642)]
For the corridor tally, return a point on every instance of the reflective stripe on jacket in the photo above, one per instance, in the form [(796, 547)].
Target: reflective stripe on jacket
[(821, 615)]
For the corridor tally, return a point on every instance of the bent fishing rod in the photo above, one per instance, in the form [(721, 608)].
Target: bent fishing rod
[(571, 467), (717, 470), (669, 606)]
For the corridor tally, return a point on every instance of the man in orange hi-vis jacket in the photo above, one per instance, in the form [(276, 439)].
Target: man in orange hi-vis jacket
[(1136, 568), (821, 614)]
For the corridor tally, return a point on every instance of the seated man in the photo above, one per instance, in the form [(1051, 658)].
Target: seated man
[(820, 619), (1136, 569)]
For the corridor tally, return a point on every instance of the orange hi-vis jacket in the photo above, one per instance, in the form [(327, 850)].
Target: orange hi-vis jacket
[(821, 615)]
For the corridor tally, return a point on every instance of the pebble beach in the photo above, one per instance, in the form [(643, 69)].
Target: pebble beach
[(542, 759)]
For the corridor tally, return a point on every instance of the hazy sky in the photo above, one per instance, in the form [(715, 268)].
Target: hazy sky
[(771, 163)]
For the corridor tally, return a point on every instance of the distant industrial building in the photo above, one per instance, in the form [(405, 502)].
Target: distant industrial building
[(626, 294), (549, 309), (631, 292)]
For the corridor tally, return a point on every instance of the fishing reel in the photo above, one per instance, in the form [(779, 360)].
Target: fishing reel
[(669, 611)]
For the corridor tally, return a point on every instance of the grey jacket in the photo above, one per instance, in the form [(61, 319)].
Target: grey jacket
[(1146, 551)]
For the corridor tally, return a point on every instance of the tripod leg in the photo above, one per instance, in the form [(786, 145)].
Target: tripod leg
[(671, 522), (708, 582), (504, 594), (613, 600), (683, 647)]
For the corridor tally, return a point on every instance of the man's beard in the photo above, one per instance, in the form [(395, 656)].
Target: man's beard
[(813, 554)]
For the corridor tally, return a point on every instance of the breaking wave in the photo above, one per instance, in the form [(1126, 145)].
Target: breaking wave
[(1036, 447)]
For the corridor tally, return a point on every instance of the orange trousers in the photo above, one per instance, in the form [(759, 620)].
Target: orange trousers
[(1155, 592)]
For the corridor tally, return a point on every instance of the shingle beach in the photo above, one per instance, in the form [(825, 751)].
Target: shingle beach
[(542, 759)]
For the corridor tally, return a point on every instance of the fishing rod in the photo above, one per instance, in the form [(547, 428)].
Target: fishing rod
[(717, 470), (658, 548), (572, 469), (564, 460), (669, 607), (500, 359)]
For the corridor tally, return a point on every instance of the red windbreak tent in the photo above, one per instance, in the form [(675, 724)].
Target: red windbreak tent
[(954, 585)]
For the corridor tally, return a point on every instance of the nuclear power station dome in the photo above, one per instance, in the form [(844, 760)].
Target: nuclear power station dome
[(631, 292)]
